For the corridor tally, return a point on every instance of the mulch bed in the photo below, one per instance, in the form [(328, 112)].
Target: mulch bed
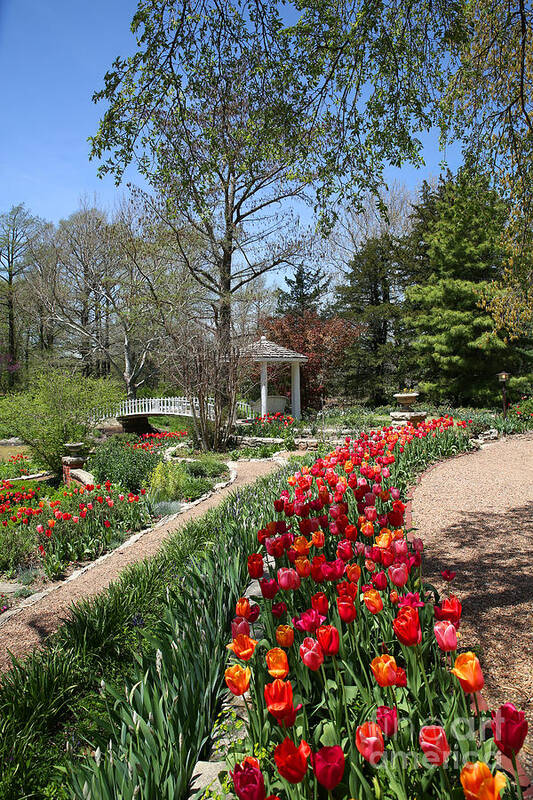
[(475, 516)]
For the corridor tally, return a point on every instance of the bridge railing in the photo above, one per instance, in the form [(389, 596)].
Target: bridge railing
[(172, 406)]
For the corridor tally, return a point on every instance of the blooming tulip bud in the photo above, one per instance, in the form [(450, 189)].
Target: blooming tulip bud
[(387, 719), (369, 742), (434, 744), (509, 726), (311, 653), (446, 635)]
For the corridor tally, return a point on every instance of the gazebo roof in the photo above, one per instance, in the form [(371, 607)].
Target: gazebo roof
[(264, 350)]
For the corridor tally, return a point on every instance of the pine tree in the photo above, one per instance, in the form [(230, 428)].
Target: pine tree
[(371, 297), (457, 350), (305, 291)]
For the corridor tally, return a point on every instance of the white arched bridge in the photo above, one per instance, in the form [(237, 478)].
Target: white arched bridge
[(163, 407)]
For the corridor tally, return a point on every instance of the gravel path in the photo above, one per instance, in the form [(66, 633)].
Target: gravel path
[(475, 515), (32, 625)]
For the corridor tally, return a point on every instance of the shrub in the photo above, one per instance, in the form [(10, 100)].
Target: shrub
[(171, 481), (121, 462)]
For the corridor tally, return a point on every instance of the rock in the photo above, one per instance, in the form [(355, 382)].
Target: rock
[(206, 776), (489, 435), (8, 587)]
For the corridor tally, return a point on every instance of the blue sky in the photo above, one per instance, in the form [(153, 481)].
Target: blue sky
[(53, 56)]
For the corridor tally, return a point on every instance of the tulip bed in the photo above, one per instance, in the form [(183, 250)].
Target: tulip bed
[(64, 526), (349, 664)]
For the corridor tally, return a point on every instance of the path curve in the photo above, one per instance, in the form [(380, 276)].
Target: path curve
[(475, 515), (29, 628)]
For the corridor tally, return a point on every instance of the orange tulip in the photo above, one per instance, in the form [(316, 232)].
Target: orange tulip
[(242, 609), (318, 538), (285, 635), (301, 545), (478, 782), (238, 679), (277, 663), (385, 670), (243, 646), (384, 539), (303, 566), (373, 601), (353, 572), (468, 671)]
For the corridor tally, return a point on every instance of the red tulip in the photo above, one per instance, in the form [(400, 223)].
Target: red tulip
[(407, 626), (278, 698), (311, 653), (308, 621), (320, 603), (255, 565), (434, 744), (449, 609), (269, 588), (369, 742), (347, 609), (387, 719), (509, 727), (291, 761), (398, 573), (328, 637), (448, 575), (328, 766), (239, 625), (288, 579), (248, 781), (279, 609)]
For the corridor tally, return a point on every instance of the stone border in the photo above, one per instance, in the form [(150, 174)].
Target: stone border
[(38, 596)]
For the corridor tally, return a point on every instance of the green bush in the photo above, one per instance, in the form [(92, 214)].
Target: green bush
[(206, 467), (171, 481), (120, 462), (56, 409)]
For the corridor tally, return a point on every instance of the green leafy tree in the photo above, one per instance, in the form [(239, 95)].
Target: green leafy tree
[(457, 351), (305, 291), (56, 409), (370, 297)]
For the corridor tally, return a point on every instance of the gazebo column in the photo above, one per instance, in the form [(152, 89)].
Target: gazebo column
[(295, 389), (264, 388)]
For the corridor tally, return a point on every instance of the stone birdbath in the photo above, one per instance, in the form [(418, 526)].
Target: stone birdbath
[(406, 415), (406, 399)]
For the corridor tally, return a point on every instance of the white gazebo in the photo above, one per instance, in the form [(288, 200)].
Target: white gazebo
[(265, 353)]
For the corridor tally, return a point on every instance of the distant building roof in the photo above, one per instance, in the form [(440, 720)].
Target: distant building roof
[(264, 350)]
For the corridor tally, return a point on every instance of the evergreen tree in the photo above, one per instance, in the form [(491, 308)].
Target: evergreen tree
[(305, 291), (371, 297), (457, 350)]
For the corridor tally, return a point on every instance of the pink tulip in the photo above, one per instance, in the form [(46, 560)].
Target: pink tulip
[(398, 574), (446, 635)]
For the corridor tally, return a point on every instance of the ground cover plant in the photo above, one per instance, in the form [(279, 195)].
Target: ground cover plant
[(356, 683)]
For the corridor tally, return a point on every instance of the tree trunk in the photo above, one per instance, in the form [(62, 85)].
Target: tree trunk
[(12, 344)]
